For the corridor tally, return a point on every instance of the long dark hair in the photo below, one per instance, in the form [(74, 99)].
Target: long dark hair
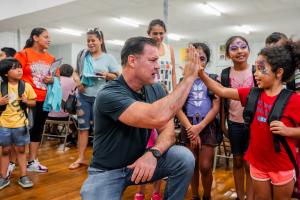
[(99, 35), (231, 39), (155, 22), (35, 32)]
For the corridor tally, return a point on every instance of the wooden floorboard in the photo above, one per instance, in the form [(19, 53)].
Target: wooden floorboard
[(60, 183)]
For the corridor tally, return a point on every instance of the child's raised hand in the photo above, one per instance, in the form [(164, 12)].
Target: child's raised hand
[(278, 127), (4, 100)]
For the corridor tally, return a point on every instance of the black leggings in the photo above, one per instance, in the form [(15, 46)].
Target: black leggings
[(39, 119)]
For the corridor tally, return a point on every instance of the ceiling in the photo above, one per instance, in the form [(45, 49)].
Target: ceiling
[(185, 19)]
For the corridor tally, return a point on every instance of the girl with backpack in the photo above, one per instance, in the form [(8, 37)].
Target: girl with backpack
[(198, 130), (272, 171), (238, 76)]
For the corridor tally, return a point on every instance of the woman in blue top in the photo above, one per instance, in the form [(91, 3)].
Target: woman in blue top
[(198, 132), (94, 68)]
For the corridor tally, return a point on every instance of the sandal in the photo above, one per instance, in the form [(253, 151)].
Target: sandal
[(76, 165)]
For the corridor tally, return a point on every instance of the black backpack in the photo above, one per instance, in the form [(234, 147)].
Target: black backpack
[(275, 114), (225, 81), (219, 133), (21, 89)]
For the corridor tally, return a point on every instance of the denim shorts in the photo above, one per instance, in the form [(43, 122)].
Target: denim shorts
[(16, 136), (84, 111), (239, 138)]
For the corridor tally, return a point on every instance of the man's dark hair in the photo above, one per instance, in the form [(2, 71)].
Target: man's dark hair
[(66, 70), (275, 37), (135, 45), (9, 52)]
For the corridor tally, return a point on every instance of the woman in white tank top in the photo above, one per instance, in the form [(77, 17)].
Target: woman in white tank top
[(166, 75)]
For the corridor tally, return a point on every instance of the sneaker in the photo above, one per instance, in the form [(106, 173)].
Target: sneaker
[(25, 182), (139, 196), (4, 182), (156, 196), (10, 169), (35, 166)]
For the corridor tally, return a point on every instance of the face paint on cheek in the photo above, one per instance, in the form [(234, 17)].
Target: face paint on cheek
[(262, 67)]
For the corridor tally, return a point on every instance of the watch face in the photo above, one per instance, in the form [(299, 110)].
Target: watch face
[(156, 153)]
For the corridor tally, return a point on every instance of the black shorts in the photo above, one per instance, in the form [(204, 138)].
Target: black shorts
[(207, 136), (239, 138)]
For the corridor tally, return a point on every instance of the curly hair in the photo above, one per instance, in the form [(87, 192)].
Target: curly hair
[(286, 57)]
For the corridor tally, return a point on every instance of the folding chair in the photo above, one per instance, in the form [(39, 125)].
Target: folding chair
[(59, 128)]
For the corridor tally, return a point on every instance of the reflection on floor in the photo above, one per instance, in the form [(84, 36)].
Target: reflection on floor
[(60, 183)]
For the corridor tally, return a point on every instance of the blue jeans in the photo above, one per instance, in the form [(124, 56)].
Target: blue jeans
[(84, 109), (16, 136), (177, 164)]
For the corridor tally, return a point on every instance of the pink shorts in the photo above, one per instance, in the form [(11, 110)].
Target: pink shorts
[(276, 178)]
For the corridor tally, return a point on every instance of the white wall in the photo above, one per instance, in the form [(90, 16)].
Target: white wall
[(10, 39), (14, 8), (216, 65)]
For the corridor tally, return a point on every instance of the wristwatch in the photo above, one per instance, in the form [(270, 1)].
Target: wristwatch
[(156, 153)]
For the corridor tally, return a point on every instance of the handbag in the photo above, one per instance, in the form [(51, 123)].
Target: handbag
[(69, 105)]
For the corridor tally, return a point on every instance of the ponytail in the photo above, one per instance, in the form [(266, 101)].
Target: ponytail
[(286, 56), (35, 32)]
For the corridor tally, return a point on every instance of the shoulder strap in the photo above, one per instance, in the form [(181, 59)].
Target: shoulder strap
[(21, 90), (209, 92), (79, 63), (291, 85), (276, 114), (250, 107), (253, 71), (4, 92), (277, 110), (225, 81)]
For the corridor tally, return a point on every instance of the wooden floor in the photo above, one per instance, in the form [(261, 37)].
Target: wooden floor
[(60, 183)]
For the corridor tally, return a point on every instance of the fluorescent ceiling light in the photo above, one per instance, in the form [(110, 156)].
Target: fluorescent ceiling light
[(116, 42), (175, 37), (129, 22), (244, 29), (211, 9), (70, 31)]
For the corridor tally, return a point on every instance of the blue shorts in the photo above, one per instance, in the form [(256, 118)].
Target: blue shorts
[(16, 136), (84, 111), (238, 137)]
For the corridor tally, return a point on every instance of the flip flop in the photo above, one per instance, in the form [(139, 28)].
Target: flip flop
[(76, 165)]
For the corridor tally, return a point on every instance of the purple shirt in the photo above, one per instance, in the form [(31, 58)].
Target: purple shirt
[(198, 101)]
